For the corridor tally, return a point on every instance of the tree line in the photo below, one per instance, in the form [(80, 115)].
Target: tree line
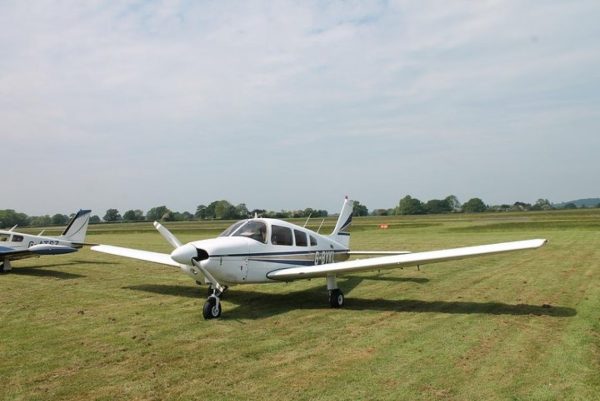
[(224, 210)]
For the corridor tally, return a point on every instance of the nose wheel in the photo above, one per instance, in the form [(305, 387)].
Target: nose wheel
[(212, 307)]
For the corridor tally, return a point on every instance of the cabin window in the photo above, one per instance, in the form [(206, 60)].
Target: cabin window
[(4, 237), (300, 238), (281, 235), (256, 230), (17, 238), (313, 241), (231, 229)]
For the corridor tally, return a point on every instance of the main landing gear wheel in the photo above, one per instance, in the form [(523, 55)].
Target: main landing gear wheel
[(212, 308), (336, 298), (1, 268)]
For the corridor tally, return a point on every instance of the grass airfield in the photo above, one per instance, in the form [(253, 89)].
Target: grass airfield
[(519, 326)]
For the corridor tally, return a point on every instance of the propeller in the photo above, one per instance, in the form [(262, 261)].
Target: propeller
[(187, 253), (171, 239)]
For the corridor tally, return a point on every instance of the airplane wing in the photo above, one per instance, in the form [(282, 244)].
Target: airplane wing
[(411, 259), (156, 257), (376, 253), (5, 251)]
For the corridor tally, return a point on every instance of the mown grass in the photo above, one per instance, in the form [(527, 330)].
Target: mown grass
[(521, 326)]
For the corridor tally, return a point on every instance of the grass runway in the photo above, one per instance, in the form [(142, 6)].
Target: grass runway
[(519, 326)]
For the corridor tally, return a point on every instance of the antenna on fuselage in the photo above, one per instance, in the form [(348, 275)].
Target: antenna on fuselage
[(308, 218), (319, 229)]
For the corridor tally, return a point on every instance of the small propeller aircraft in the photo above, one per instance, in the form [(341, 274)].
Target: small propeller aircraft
[(14, 245), (261, 250)]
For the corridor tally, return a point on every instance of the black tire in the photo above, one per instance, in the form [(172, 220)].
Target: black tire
[(211, 309), (2, 268), (336, 298)]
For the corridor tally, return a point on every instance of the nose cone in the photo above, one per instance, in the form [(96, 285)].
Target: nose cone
[(184, 254)]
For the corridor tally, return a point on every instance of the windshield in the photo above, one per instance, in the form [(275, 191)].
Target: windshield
[(232, 228), (257, 230)]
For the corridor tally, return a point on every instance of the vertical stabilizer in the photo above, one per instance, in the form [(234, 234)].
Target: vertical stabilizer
[(77, 227), (340, 233)]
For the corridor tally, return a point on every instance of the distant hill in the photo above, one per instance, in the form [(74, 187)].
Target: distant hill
[(589, 202)]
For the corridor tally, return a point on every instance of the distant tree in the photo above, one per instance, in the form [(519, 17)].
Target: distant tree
[(570, 205), (40, 221), (158, 213), (224, 210), (201, 212), (171, 216), (241, 211), (437, 206), (474, 205), (520, 206), (111, 216), (95, 219), (453, 203), (598, 206), (59, 219), (187, 216), (410, 205), (359, 210), (380, 212), (134, 215), (499, 208), (10, 218), (542, 204)]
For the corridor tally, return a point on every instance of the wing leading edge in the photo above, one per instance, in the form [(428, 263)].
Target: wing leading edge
[(411, 259), (156, 257)]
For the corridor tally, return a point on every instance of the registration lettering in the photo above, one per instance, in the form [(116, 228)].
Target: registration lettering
[(44, 242), (324, 257)]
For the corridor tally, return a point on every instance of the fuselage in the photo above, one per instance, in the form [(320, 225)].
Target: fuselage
[(250, 249), (38, 244)]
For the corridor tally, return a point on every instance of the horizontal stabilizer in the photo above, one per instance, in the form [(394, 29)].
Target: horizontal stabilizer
[(156, 257), (411, 259)]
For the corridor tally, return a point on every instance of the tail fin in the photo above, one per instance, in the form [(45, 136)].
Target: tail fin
[(77, 227), (340, 233)]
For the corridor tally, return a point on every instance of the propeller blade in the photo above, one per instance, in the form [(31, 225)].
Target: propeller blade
[(171, 239)]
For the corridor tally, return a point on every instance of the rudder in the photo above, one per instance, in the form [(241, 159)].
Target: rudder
[(77, 227), (340, 233)]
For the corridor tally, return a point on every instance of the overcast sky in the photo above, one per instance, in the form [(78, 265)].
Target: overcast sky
[(283, 105)]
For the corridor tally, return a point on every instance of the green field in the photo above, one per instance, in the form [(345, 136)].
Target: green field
[(520, 326)]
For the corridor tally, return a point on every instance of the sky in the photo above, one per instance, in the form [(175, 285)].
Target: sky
[(288, 105)]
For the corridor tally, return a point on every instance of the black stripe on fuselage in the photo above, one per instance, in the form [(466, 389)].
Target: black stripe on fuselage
[(280, 253)]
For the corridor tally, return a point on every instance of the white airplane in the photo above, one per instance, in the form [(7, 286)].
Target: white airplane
[(261, 250), (14, 245)]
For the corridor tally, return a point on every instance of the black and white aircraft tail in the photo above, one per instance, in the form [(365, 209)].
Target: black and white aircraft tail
[(77, 228), (340, 233)]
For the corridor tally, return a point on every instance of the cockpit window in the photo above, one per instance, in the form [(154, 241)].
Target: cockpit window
[(300, 238), (4, 237), (281, 235), (313, 241), (257, 230), (231, 229), (17, 238)]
